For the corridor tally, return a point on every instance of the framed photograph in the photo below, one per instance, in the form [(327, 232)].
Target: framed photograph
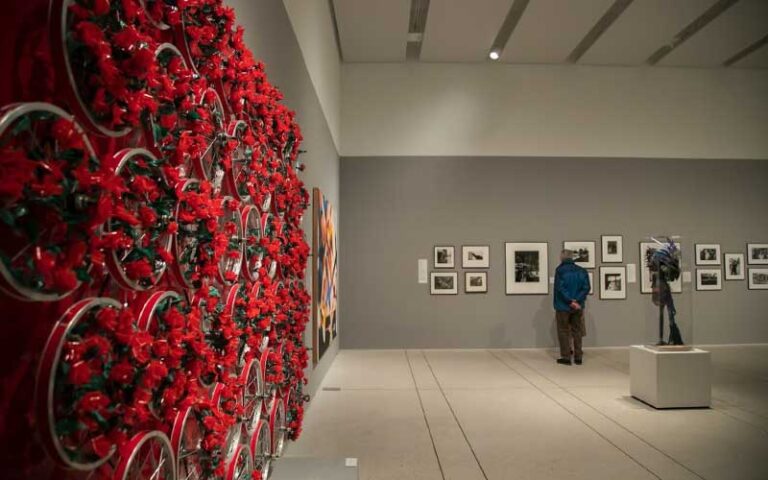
[(591, 283), (583, 253), (645, 273), (612, 248), (707, 254), (613, 283), (475, 282), (444, 283), (527, 268), (444, 257), (475, 256), (757, 253), (758, 279), (709, 279), (734, 266)]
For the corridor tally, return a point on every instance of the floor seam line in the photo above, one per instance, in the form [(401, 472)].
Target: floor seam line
[(424, 414), (641, 465), (607, 418), (455, 417)]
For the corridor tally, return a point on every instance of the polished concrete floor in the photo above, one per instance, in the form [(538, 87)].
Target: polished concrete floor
[(515, 414)]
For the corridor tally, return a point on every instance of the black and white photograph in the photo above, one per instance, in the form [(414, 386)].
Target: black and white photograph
[(475, 256), (707, 254), (612, 248), (734, 266), (444, 257), (758, 279), (613, 283), (475, 282), (591, 283), (645, 273), (757, 253), (444, 283), (583, 253), (527, 268), (709, 279)]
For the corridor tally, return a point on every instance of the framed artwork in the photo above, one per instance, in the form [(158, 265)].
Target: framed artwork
[(475, 256), (583, 253), (444, 283), (734, 266), (591, 283), (645, 273), (757, 253), (709, 279), (527, 268), (612, 248), (613, 283), (707, 254), (758, 279), (444, 256), (325, 279), (476, 282)]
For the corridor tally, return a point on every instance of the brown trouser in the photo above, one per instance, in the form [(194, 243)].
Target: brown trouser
[(570, 325)]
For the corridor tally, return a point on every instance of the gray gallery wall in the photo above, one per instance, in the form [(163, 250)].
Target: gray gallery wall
[(396, 209), (270, 36)]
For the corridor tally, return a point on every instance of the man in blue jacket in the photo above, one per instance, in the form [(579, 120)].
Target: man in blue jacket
[(571, 290)]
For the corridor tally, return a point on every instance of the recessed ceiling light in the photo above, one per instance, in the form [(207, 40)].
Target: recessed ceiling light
[(494, 55)]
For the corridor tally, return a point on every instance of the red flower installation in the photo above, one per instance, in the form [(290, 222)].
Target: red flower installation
[(137, 237), (52, 202), (203, 374), (87, 382), (107, 61)]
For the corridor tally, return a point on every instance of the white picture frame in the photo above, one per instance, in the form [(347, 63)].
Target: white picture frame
[(583, 253), (591, 283), (444, 283), (707, 253), (475, 256), (733, 266), (758, 279), (444, 256), (526, 268), (757, 253), (645, 273), (709, 279), (613, 283), (612, 249), (475, 282)]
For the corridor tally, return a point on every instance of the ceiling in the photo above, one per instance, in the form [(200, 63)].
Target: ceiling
[(689, 33)]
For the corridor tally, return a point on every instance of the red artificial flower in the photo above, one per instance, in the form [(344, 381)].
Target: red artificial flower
[(138, 269), (122, 373), (79, 373)]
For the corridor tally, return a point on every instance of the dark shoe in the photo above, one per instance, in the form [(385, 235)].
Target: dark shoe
[(564, 361), (577, 361)]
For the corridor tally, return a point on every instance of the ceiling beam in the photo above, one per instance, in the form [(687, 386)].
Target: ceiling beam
[(746, 51), (336, 29), (610, 16), (691, 29)]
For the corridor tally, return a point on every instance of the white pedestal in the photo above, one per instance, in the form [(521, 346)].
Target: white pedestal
[(670, 379)]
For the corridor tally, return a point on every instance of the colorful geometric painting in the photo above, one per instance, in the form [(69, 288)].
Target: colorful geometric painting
[(325, 275)]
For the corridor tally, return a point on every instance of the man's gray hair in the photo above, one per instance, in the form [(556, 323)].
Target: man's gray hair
[(567, 253)]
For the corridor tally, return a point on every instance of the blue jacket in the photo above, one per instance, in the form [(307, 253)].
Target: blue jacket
[(571, 283)]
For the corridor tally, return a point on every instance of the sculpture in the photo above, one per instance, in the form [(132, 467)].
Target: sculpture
[(664, 265)]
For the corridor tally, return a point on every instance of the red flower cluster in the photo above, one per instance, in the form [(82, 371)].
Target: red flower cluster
[(202, 197)]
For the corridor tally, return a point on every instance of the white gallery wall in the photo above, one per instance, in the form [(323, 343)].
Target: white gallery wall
[(312, 24), (423, 109)]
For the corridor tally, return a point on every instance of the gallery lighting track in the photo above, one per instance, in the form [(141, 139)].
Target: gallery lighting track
[(610, 16), (416, 25), (692, 28), (510, 22)]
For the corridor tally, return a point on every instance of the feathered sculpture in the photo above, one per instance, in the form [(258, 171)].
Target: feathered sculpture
[(664, 265)]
